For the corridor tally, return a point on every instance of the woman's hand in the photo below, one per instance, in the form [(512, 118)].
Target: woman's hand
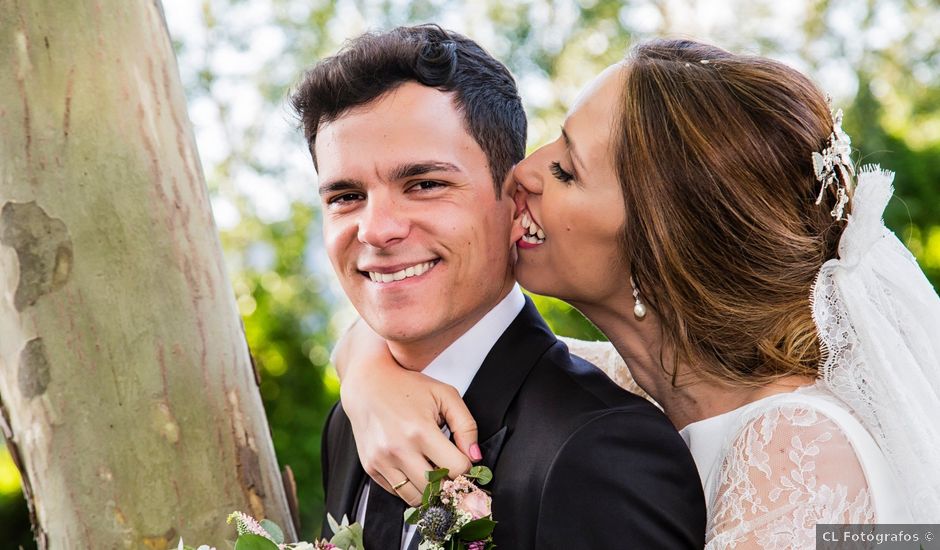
[(397, 414)]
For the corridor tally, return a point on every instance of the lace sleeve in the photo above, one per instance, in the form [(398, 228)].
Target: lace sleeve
[(605, 357), (789, 469)]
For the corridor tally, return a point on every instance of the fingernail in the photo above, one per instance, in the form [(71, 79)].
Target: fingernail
[(475, 453)]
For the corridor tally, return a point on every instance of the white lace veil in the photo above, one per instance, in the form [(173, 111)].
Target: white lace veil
[(879, 323)]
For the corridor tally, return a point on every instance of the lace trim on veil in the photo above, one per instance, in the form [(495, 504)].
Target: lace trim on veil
[(875, 311)]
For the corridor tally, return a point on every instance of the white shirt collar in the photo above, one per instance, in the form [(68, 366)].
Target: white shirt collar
[(460, 361)]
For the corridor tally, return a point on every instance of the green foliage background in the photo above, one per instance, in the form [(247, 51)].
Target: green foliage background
[(879, 58)]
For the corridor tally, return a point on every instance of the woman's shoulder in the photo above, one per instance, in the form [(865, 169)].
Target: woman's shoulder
[(807, 435), (792, 463), (810, 412), (797, 457)]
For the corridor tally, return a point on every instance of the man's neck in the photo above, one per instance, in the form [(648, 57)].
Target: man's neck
[(417, 354)]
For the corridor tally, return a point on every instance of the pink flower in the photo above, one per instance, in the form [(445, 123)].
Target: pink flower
[(247, 524), (478, 545), (476, 503)]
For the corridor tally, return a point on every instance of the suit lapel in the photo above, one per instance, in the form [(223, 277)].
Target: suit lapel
[(347, 477), (492, 447), (501, 375)]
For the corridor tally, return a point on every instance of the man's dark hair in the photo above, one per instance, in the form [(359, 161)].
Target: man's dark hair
[(377, 63)]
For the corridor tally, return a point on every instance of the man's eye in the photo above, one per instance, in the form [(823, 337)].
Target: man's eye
[(427, 185), (559, 173), (345, 198)]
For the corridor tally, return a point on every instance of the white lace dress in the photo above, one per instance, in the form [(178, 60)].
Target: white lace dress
[(776, 467)]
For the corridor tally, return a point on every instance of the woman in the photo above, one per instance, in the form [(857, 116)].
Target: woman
[(694, 209)]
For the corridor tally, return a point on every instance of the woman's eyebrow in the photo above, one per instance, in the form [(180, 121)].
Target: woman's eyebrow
[(570, 145)]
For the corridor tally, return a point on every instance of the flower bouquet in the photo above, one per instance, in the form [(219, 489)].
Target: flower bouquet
[(455, 514), (267, 535)]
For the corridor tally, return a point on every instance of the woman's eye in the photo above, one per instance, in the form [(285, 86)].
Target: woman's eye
[(559, 173)]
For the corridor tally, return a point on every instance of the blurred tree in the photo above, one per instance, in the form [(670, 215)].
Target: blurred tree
[(129, 401)]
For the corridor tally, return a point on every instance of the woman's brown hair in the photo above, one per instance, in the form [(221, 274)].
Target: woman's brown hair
[(723, 236)]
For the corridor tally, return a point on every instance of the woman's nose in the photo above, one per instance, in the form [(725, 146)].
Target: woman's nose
[(529, 178)]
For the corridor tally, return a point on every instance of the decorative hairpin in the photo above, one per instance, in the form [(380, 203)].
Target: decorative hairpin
[(833, 167)]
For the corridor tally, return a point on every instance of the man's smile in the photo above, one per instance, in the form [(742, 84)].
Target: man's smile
[(391, 274)]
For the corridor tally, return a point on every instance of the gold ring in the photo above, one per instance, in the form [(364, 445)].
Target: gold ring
[(400, 485)]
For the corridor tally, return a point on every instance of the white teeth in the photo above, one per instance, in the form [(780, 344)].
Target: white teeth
[(532, 239), (413, 271), (531, 228)]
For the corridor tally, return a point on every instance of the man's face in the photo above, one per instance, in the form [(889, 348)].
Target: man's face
[(411, 222)]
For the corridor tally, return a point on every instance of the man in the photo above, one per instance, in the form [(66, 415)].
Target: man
[(413, 133)]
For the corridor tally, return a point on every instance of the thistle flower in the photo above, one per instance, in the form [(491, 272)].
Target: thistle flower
[(436, 523)]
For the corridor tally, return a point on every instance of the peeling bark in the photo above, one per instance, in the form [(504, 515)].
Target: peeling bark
[(128, 397), (43, 248)]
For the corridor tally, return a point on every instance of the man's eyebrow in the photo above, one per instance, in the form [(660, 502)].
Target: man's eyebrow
[(413, 169), (340, 185), (570, 145)]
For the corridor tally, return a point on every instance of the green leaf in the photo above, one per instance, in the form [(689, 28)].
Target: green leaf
[(274, 530), (412, 516), (482, 474), (348, 537), (254, 542), (426, 496), (477, 529), (436, 475), (334, 526)]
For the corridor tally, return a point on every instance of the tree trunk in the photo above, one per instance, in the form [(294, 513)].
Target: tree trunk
[(131, 403)]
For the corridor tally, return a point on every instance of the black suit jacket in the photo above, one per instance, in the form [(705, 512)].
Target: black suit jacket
[(577, 461)]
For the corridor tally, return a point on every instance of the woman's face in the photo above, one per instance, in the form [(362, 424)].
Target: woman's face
[(571, 205)]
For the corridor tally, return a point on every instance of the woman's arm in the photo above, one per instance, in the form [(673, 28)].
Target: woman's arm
[(397, 414)]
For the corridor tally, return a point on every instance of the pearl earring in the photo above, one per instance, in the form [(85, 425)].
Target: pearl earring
[(639, 310)]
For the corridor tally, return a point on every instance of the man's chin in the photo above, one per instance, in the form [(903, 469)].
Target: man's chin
[(406, 325)]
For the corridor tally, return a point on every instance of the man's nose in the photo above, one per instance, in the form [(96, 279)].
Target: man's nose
[(382, 223)]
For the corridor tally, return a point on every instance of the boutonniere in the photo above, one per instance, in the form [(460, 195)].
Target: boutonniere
[(455, 514)]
